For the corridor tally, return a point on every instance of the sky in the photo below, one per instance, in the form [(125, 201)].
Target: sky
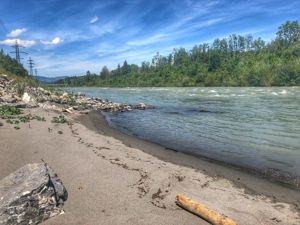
[(69, 37)]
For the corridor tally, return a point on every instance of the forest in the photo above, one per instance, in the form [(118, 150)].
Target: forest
[(233, 61)]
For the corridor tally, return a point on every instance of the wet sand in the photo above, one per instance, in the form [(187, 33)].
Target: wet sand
[(113, 178), (250, 182)]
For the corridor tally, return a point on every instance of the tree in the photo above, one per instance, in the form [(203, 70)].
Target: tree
[(145, 66), (258, 44), (104, 74), (88, 76), (289, 32), (241, 43), (180, 57), (125, 68)]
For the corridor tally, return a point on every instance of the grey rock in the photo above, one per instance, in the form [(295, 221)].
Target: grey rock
[(8, 99), (143, 106), (78, 94), (31, 195)]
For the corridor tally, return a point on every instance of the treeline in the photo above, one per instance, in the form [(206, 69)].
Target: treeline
[(233, 61), (10, 65)]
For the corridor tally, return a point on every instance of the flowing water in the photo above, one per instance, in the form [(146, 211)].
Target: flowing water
[(253, 128)]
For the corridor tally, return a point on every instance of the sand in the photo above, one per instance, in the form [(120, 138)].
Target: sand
[(115, 179)]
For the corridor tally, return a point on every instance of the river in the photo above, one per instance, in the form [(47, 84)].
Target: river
[(255, 128)]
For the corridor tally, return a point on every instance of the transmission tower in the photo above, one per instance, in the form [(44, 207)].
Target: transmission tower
[(31, 65), (17, 51), (35, 72)]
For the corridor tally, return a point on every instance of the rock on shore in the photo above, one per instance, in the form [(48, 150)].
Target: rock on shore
[(39, 97), (31, 195)]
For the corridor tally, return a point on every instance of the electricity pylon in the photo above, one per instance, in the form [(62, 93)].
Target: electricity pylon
[(17, 51), (31, 65)]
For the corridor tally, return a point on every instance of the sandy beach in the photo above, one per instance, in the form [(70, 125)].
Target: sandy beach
[(113, 178)]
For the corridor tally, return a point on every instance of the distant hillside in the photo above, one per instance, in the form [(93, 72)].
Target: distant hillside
[(49, 80), (9, 66), (16, 72)]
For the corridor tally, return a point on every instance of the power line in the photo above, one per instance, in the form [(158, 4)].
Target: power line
[(31, 65), (17, 51)]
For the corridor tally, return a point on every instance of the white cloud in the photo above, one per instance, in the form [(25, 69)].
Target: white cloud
[(94, 19), (55, 41), (25, 43), (16, 33)]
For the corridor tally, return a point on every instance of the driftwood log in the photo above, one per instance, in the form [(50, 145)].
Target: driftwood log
[(201, 210), (31, 195)]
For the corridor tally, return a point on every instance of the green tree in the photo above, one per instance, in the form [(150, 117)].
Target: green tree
[(289, 32), (125, 68), (104, 74)]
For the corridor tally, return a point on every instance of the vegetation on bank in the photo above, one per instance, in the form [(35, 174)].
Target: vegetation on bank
[(233, 61), (17, 72), (11, 66), (15, 116)]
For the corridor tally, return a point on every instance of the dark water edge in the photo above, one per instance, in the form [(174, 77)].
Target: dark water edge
[(272, 174)]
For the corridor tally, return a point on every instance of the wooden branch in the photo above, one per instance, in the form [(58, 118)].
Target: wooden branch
[(201, 210)]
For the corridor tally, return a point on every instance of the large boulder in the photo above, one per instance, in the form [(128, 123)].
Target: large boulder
[(26, 98), (31, 195)]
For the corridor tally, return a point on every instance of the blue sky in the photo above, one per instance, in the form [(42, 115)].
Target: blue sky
[(69, 37)]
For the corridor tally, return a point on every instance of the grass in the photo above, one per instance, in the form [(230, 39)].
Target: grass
[(13, 116), (28, 117), (12, 121), (8, 111), (60, 119), (20, 88), (72, 101)]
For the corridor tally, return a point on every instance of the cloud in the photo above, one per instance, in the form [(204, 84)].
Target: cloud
[(94, 19), (172, 34), (25, 43), (148, 40), (55, 41), (16, 33)]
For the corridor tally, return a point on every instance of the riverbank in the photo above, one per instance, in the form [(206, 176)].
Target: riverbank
[(252, 184), (256, 129), (111, 182)]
